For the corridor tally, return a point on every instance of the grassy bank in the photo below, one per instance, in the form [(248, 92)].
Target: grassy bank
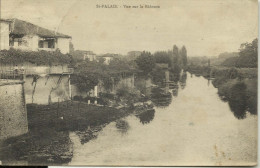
[(48, 138)]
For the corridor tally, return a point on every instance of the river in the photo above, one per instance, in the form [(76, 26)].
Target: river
[(195, 127)]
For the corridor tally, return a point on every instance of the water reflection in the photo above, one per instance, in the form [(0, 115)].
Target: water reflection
[(146, 117), (160, 98), (194, 122), (122, 126), (175, 89), (239, 99), (196, 108), (175, 77), (44, 148), (89, 134), (183, 80)]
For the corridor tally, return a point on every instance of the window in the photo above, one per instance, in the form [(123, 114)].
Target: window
[(46, 43), (40, 44), (51, 43), (16, 40)]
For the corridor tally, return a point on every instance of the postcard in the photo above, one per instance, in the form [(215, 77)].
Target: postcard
[(128, 82)]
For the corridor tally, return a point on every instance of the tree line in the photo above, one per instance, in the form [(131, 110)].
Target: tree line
[(176, 59), (247, 56)]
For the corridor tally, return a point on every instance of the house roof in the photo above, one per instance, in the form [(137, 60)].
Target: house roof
[(4, 20), (87, 52), (21, 27), (108, 55)]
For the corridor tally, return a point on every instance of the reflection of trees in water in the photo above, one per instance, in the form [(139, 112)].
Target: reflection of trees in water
[(122, 126), (183, 79), (146, 117), (175, 77), (175, 89), (240, 101), (88, 134), (38, 147), (160, 98), (237, 100)]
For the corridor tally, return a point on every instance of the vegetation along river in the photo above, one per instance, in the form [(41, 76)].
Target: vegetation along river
[(193, 126)]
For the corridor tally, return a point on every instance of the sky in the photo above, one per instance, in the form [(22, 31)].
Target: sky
[(205, 27)]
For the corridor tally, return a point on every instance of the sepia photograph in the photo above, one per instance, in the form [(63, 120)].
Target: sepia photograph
[(128, 82)]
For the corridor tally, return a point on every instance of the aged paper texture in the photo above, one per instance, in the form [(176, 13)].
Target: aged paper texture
[(128, 82)]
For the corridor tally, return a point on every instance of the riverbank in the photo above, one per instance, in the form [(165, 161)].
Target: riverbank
[(49, 125), (237, 86)]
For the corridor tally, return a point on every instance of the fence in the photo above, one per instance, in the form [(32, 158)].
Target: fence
[(12, 74)]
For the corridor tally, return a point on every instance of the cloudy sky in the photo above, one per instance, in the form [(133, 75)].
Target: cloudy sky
[(205, 27)]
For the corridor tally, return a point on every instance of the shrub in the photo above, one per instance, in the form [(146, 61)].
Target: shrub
[(14, 56)]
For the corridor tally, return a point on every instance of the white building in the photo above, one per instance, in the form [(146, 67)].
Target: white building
[(108, 58), (89, 55), (23, 35), (5, 30)]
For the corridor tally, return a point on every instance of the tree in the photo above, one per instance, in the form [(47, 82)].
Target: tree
[(71, 48), (175, 54), (163, 57), (248, 54), (175, 58), (184, 56), (145, 62)]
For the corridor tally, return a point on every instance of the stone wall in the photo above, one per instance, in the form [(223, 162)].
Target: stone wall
[(45, 89), (13, 113)]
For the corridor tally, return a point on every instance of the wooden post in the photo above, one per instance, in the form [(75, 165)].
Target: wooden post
[(58, 108), (70, 91), (78, 106)]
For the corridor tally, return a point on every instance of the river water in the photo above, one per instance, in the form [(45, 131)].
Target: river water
[(195, 127)]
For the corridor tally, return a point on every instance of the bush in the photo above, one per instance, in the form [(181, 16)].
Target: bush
[(130, 95), (14, 56)]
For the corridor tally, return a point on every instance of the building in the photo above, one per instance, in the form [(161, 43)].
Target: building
[(23, 35), (108, 58), (89, 55), (84, 55), (5, 31)]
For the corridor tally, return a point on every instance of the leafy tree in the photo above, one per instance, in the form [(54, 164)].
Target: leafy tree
[(175, 54), (248, 54), (158, 75), (71, 48), (84, 82), (14, 56), (145, 62), (163, 57), (184, 56), (247, 57), (175, 57)]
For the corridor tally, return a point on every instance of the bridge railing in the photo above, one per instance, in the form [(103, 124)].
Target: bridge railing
[(12, 74)]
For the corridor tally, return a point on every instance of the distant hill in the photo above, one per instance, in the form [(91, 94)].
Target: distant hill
[(245, 58), (226, 55), (214, 60), (223, 57)]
